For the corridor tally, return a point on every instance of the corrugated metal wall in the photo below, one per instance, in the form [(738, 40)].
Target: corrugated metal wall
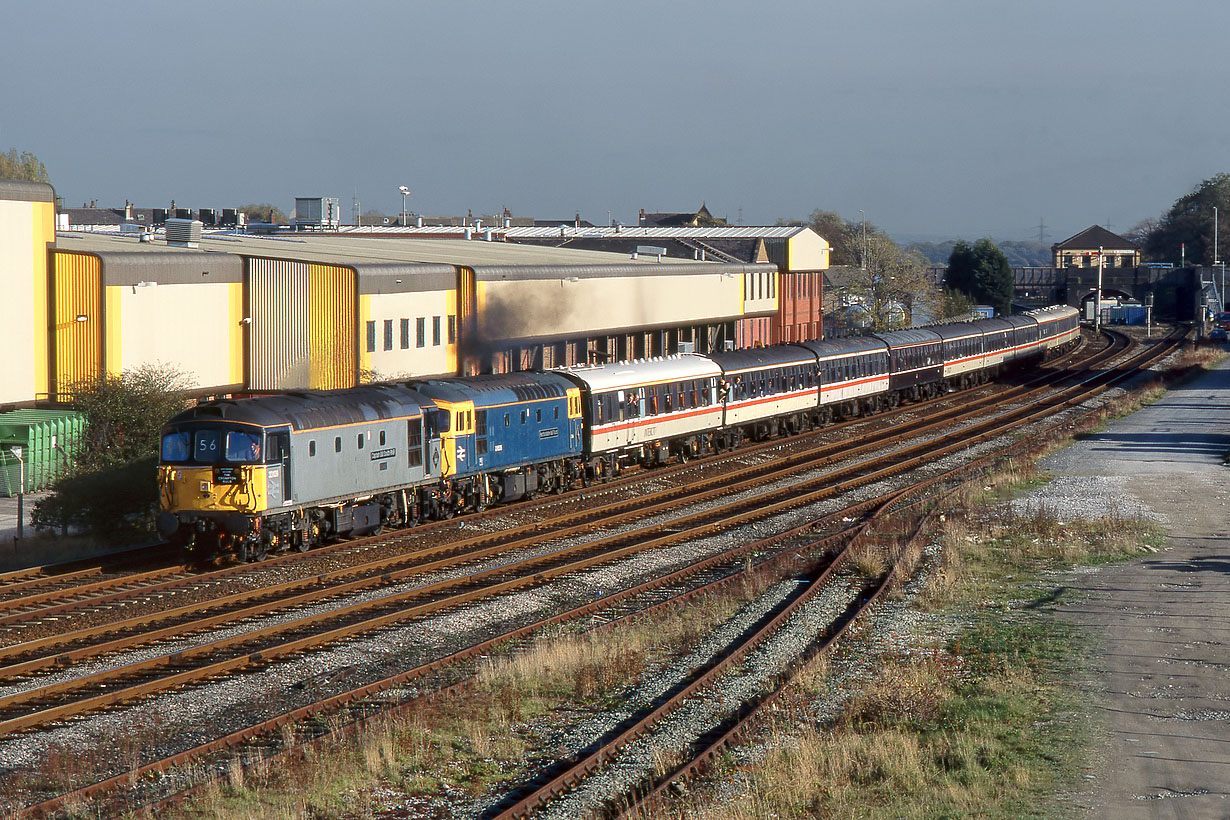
[(332, 331), (78, 344), (467, 321), (303, 325), (279, 358)]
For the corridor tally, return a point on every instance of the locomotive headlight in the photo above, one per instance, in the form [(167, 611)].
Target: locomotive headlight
[(204, 486)]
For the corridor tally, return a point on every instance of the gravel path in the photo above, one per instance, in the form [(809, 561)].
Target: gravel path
[(1162, 623)]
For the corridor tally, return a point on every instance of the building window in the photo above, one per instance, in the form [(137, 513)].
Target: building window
[(452, 330), (405, 333), (420, 328), (435, 330), (388, 334), (371, 337)]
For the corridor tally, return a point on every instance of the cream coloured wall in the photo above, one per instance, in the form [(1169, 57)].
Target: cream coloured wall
[(18, 266), (429, 360), (188, 327), (808, 251), (594, 306)]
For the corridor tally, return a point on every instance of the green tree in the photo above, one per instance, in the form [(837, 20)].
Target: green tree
[(264, 212), (26, 166), (982, 273), (1189, 222), (110, 490)]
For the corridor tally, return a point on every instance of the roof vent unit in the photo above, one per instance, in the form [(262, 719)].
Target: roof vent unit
[(317, 212), (230, 216), (160, 216), (184, 233), (183, 213), (208, 216), (685, 347)]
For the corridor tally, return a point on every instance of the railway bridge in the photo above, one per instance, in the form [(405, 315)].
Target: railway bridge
[(1176, 292)]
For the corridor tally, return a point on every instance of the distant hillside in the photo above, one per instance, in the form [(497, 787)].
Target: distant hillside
[(1020, 254)]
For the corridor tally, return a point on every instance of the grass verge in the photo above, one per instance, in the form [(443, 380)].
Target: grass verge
[(977, 713), (454, 752)]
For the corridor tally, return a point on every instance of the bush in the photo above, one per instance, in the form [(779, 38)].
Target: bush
[(110, 489), (113, 504)]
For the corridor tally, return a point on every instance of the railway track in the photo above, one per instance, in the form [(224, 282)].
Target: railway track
[(127, 593), (58, 591), (74, 647), (23, 714)]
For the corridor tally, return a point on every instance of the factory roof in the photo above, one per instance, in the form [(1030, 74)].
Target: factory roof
[(660, 232), (342, 249)]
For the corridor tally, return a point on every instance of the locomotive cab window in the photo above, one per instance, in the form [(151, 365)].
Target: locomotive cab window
[(414, 442), (176, 446)]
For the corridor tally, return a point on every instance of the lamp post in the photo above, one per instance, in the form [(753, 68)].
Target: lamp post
[(405, 192), (21, 489), (1097, 307), (1222, 293)]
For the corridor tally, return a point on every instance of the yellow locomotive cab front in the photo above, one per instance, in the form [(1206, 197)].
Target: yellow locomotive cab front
[(207, 489), (212, 484)]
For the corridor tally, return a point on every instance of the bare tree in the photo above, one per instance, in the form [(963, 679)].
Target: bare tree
[(894, 288)]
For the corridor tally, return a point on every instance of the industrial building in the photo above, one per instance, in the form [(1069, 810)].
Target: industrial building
[(240, 313)]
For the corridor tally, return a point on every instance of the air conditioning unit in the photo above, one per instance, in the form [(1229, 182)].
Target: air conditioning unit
[(184, 233)]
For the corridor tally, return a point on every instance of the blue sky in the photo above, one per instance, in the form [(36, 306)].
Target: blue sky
[(937, 119)]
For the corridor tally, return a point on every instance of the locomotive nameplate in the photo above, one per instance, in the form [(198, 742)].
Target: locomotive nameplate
[(388, 452), (551, 432), (226, 475)]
